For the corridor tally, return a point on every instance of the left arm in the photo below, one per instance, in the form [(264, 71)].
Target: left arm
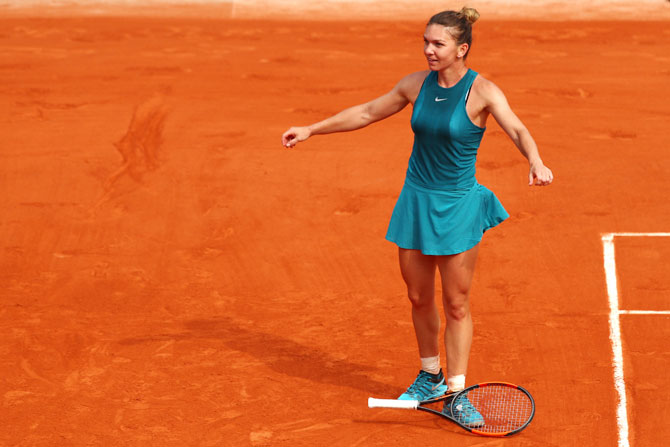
[(497, 105)]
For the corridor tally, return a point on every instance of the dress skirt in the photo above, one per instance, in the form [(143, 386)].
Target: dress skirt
[(443, 222)]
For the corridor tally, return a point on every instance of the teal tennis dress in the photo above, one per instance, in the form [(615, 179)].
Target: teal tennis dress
[(442, 210)]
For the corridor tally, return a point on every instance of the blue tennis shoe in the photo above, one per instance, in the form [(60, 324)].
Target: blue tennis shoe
[(426, 386), (463, 412)]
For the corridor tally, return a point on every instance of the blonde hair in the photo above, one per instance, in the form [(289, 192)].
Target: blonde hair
[(470, 14), (459, 24)]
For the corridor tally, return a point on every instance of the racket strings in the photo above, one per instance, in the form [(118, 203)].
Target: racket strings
[(503, 408)]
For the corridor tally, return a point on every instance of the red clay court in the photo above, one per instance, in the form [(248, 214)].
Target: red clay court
[(170, 275)]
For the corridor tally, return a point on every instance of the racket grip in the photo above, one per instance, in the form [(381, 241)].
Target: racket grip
[(392, 403)]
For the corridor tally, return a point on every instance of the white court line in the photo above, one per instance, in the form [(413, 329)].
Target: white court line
[(611, 235), (615, 337), (615, 326), (644, 312)]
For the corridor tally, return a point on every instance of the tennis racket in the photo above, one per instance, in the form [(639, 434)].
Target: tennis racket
[(487, 409)]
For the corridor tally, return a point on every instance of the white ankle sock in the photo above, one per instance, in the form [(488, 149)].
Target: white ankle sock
[(456, 383), (431, 364)]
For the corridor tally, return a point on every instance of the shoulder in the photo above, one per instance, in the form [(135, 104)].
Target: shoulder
[(417, 77), (410, 85), (487, 90)]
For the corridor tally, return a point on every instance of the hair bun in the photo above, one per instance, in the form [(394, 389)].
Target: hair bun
[(470, 14)]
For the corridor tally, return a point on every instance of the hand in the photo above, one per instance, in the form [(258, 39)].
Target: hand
[(294, 136), (540, 175)]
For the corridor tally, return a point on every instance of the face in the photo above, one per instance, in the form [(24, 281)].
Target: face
[(440, 48)]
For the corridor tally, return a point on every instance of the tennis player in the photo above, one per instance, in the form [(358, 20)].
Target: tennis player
[(442, 212)]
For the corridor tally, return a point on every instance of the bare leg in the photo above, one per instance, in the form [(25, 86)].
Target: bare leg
[(418, 271), (456, 272)]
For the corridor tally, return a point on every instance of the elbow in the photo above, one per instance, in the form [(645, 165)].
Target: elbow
[(366, 117)]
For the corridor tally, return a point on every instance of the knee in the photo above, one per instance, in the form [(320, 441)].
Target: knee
[(457, 308), (420, 300)]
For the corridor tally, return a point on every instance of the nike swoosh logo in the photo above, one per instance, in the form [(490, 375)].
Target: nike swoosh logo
[(437, 385), (440, 99)]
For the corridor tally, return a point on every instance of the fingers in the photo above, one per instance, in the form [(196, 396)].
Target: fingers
[(293, 136), (540, 182), (288, 138), (289, 141), (540, 177)]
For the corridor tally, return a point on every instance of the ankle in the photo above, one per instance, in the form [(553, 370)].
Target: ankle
[(456, 383), (431, 364)]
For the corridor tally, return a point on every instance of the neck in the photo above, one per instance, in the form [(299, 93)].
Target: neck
[(449, 76)]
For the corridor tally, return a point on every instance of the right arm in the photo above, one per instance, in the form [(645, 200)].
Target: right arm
[(361, 115)]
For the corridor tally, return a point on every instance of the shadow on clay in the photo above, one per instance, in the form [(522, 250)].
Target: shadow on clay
[(281, 354), (286, 356)]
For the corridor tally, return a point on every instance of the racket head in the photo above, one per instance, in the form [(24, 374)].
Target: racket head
[(505, 408)]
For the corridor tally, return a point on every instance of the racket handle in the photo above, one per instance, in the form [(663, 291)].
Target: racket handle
[(392, 403)]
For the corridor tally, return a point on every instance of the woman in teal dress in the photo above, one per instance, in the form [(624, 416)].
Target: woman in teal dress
[(442, 211)]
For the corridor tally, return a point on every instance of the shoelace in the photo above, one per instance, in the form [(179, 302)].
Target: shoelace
[(419, 383)]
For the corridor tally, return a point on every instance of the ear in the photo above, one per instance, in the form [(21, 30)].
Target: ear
[(462, 50)]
